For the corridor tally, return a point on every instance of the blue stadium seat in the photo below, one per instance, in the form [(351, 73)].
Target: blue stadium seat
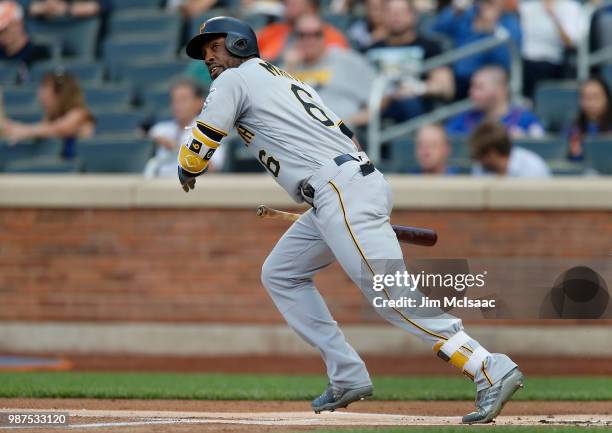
[(566, 168), (87, 72), (9, 72), (402, 158), (147, 75), (340, 21), (19, 99), (107, 155), (155, 99), (556, 103), (28, 150), (45, 165), (119, 51), (27, 116), (256, 21), (118, 122), (549, 148), (459, 147), (108, 97), (147, 22), (598, 153), (136, 4), (77, 37)]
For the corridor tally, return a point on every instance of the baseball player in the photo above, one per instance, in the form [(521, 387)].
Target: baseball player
[(315, 157)]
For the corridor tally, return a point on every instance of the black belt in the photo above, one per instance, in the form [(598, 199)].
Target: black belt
[(366, 168)]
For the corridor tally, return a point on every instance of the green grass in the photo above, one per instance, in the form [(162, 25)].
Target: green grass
[(465, 429), (275, 387)]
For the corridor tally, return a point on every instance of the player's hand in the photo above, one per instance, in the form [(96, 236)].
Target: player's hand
[(186, 179)]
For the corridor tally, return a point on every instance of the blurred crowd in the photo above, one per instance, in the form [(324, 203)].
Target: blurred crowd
[(339, 47)]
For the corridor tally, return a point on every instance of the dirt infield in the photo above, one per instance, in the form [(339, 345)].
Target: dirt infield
[(136, 416)]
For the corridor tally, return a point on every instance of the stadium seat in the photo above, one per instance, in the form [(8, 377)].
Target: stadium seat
[(598, 153), (549, 148), (119, 51), (77, 37), (8, 73), (108, 97), (147, 22), (119, 5), (27, 116), (118, 122), (459, 147), (566, 168), (606, 73), (105, 155), (19, 99), (28, 150), (401, 157), (42, 165), (147, 75), (87, 72), (556, 103), (155, 99), (340, 21)]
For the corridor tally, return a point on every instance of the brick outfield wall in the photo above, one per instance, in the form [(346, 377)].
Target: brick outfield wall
[(202, 265)]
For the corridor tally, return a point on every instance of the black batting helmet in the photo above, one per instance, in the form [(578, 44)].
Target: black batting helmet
[(240, 38)]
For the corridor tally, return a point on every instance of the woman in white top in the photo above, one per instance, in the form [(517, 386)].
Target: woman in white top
[(550, 27)]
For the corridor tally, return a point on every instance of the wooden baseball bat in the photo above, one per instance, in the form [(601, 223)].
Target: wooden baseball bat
[(410, 235)]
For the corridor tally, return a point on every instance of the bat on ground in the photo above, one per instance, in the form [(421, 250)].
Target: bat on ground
[(410, 235)]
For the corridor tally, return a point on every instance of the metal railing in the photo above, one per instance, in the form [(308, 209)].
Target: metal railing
[(585, 58), (376, 135)]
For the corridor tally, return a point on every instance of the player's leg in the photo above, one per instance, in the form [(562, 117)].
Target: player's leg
[(353, 216), (287, 275)]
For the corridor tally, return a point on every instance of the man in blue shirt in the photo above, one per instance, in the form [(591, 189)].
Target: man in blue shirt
[(480, 21), (489, 93)]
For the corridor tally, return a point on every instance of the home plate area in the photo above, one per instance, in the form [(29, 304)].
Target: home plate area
[(100, 419)]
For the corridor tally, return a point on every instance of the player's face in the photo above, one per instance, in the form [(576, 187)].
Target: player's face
[(216, 57)]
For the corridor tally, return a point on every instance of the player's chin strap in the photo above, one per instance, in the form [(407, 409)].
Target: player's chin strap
[(454, 352)]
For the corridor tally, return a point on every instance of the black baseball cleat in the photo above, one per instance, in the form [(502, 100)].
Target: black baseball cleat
[(336, 398), (490, 401)]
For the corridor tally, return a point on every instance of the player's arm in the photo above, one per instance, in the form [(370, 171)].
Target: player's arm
[(226, 101)]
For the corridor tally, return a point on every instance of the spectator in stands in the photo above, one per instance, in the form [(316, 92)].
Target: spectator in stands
[(187, 98), (550, 27), (432, 151), (490, 96), (65, 115), (50, 9), (465, 23), (15, 44), (594, 118), (493, 153), (331, 71), (411, 97), (190, 8), (274, 39), (370, 29), (600, 33)]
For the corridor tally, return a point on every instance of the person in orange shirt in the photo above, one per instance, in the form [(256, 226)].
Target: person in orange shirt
[(274, 39)]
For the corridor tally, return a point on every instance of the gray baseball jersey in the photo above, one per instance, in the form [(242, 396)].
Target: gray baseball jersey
[(296, 137), (282, 120)]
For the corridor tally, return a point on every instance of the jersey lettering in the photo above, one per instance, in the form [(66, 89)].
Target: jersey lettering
[(270, 163)]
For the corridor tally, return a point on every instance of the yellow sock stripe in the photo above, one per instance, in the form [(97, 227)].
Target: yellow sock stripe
[(203, 138), (350, 230)]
